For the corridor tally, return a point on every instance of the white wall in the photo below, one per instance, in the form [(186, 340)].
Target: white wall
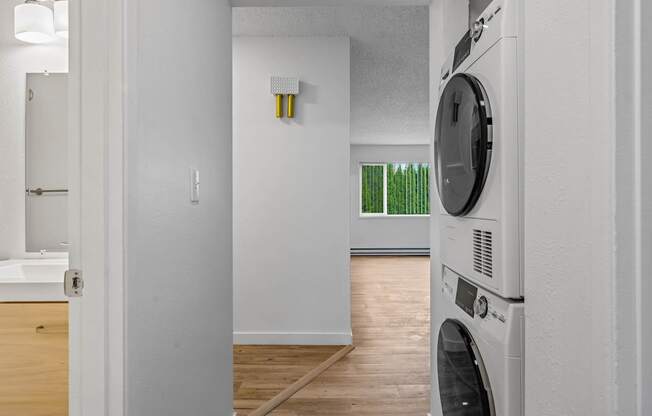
[(389, 62), (16, 60), (386, 232), (178, 255), (291, 193), (454, 25), (569, 361)]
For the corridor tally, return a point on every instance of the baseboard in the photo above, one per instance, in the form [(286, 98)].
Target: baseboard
[(292, 338), (401, 251)]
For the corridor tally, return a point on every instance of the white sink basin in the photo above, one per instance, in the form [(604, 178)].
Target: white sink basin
[(32, 280)]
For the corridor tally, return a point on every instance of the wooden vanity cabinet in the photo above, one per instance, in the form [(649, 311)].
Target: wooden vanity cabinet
[(34, 359)]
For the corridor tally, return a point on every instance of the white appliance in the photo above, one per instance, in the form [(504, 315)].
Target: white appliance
[(478, 153), (479, 360)]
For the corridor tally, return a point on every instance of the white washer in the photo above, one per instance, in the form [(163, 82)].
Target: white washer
[(478, 153), (479, 360)]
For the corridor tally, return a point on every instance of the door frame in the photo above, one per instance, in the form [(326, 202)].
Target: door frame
[(633, 216), (96, 214)]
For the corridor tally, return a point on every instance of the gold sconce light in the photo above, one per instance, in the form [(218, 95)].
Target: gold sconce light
[(291, 105), (281, 86), (279, 105)]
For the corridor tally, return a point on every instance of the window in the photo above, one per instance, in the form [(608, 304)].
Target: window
[(394, 189)]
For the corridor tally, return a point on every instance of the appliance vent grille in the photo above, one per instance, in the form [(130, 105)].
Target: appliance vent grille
[(483, 252)]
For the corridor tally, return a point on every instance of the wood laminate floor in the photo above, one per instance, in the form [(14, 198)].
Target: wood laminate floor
[(388, 372)]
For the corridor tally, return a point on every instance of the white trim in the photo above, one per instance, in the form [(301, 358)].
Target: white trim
[(291, 338), (115, 206), (601, 77), (384, 189), (95, 214), (632, 331), (638, 272), (74, 204)]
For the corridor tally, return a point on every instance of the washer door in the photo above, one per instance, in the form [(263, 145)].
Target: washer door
[(463, 382), (463, 141)]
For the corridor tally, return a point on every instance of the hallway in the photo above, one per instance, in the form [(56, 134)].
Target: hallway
[(387, 373)]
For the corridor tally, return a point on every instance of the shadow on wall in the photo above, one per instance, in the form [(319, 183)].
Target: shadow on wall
[(308, 95)]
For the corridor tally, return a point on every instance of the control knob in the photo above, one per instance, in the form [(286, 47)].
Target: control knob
[(481, 306), (477, 29)]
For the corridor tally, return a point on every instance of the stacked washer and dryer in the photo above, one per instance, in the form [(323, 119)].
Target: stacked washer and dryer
[(478, 164)]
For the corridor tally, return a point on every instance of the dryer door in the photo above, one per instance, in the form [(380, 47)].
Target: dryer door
[(463, 382), (463, 141)]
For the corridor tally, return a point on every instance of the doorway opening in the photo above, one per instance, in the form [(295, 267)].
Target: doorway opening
[(34, 228), (344, 170)]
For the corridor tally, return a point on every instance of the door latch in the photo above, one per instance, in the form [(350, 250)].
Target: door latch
[(73, 283)]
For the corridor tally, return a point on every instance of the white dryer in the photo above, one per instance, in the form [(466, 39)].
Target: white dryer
[(480, 347), (478, 153)]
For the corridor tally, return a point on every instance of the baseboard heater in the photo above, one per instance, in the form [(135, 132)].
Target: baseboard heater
[(390, 251)]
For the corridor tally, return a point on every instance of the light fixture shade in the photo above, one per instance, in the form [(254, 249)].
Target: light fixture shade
[(61, 18), (33, 23)]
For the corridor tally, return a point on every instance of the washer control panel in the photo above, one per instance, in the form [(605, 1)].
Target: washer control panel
[(466, 296), (471, 299)]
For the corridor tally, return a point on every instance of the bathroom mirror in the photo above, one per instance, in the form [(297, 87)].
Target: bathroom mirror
[(46, 168)]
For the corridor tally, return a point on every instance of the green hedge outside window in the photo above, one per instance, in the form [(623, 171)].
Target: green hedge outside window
[(395, 189)]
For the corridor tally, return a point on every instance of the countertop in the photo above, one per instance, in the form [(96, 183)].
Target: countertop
[(32, 280)]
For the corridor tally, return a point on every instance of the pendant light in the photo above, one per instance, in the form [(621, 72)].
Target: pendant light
[(61, 18), (33, 22)]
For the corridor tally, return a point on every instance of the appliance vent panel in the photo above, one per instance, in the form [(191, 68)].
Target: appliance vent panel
[(483, 252)]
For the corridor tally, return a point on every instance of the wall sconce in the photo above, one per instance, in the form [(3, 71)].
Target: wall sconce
[(280, 87), (38, 21)]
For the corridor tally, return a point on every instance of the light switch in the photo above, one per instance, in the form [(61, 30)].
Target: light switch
[(194, 186)]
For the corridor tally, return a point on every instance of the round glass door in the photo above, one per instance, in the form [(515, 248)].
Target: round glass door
[(463, 382), (463, 141)]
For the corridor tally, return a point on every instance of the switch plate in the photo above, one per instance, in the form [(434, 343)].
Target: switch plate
[(194, 186)]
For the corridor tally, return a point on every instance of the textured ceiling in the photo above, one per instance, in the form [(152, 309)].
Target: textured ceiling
[(389, 62)]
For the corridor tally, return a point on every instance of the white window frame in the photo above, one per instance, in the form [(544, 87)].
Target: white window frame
[(384, 214)]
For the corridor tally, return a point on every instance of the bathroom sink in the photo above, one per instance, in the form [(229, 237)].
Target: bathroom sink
[(32, 279)]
